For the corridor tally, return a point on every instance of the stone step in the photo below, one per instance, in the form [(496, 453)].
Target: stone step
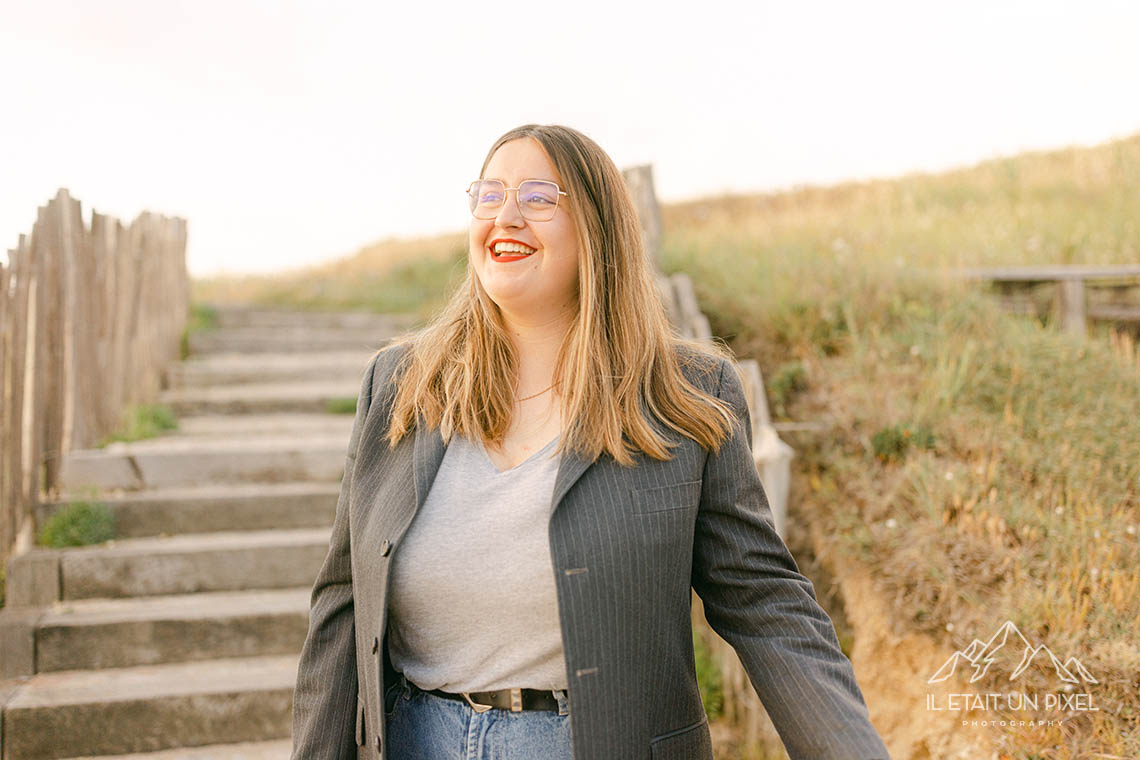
[(256, 340), (229, 316), (260, 398), (172, 461), (184, 564), (212, 507), (117, 633), (233, 369), (148, 708), (271, 750), (272, 423)]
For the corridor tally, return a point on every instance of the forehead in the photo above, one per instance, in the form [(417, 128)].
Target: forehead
[(521, 159)]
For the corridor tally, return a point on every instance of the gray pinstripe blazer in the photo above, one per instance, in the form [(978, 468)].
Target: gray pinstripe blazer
[(627, 544)]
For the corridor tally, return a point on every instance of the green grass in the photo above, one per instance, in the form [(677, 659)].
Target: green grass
[(346, 405), (143, 421), (708, 677), (202, 317), (893, 441), (80, 523), (788, 381)]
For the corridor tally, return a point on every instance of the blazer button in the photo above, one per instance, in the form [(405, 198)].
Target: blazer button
[(385, 548), (375, 644)]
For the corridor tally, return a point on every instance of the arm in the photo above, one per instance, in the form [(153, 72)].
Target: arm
[(756, 599), (324, 700)]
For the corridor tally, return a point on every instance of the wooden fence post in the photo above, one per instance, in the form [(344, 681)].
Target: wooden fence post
[(1071, 293), (639, 180), (88, 319)]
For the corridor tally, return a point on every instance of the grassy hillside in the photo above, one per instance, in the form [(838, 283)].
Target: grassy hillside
[(391, 276), (981, 467), (1024, 505)]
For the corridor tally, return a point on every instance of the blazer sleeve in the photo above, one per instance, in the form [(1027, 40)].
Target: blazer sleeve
[(756, 599), (324, 699)]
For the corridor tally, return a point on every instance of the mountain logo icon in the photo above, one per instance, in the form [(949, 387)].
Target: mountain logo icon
[(1009, 646)]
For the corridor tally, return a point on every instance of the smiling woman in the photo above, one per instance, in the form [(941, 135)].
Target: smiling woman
[(535, 483)]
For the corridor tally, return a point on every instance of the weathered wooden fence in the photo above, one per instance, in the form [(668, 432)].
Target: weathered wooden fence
[(742, 706), (89, 316), (1073, 295)]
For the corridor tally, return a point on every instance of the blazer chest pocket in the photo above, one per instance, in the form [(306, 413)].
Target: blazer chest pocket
[(666, 498)]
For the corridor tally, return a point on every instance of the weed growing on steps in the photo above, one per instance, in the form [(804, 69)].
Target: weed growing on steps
[(143, 421), (202, 317), (80, 523), (344, 405)]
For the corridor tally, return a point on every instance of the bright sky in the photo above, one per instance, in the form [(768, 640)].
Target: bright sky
[(289, 133)]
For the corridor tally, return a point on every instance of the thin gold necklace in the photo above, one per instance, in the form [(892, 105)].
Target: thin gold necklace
[(544, 390)]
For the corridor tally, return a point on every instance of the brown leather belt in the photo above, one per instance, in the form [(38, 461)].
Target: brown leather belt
[(515, 700)]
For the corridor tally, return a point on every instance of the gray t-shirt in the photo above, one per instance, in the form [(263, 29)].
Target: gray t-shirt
[(472, 600)]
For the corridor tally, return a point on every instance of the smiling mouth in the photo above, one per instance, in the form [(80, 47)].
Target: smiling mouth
[(508, 252), (511, 250)]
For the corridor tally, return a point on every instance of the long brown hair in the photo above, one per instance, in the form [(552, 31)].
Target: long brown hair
[(621, 358)]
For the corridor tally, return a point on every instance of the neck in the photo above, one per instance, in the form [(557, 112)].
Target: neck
[(537, 342)]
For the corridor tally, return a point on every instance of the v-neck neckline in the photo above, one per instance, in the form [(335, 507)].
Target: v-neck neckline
[(495, 468)]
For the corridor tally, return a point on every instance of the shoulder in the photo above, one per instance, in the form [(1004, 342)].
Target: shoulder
[(703, 366), (383, 365)]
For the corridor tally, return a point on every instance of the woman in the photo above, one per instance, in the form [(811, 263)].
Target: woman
[(534, 483)]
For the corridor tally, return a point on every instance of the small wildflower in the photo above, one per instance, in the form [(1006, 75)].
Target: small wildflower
[(891, 523), (1094, 572), (1059, 510), (979, 470), (949, 626), (949, 476), (915, 351), (1131, 529), (1096, 534)]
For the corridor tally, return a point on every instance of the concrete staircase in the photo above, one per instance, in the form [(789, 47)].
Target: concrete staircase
[(180, 638)]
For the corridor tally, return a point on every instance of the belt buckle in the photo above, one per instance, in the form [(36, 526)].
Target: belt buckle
[(478, 707)]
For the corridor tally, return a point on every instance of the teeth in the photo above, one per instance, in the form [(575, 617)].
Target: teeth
[(513, 248)]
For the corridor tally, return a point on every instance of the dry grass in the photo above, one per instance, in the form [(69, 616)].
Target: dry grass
[(407, 276), (1026, 508)]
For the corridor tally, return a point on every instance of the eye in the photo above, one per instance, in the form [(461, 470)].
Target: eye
[(539, 193)]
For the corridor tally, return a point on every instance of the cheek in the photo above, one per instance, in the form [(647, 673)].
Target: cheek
[(477, 236)]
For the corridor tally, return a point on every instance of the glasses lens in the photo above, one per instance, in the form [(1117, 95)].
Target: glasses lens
[(486, 198), (538, 199)]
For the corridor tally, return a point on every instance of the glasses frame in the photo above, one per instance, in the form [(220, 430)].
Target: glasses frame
[(518, 205)]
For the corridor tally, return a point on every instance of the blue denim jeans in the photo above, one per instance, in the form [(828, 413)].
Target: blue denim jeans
[(424, 726)]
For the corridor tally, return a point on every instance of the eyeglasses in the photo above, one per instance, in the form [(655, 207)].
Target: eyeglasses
[(537, 198)]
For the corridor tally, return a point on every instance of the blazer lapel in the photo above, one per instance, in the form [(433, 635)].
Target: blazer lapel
[(428, 454), (429, 449)]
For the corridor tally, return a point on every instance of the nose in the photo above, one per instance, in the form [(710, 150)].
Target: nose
[(510, 215)]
